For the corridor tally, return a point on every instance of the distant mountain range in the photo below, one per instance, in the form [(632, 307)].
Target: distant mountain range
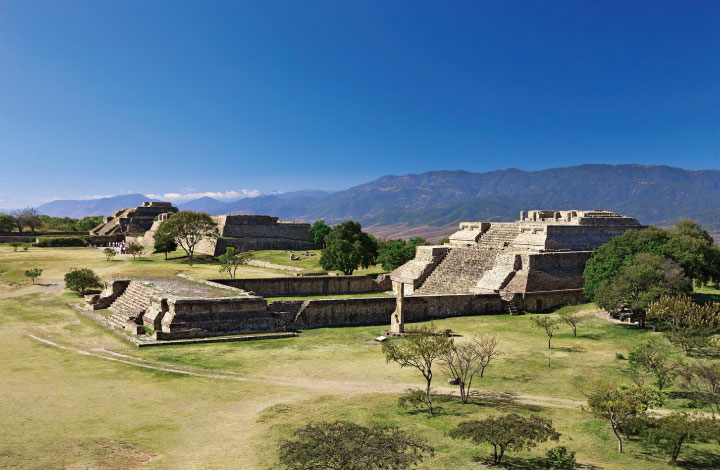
[(653, 194)]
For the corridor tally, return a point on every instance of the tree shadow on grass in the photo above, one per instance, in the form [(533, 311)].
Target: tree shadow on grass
[(504, 401), (592, 336), (200, 259), (570, 349), (510, 462), (700, 460)]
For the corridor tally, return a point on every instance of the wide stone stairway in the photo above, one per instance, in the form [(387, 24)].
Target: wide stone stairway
[(131, 304), (458, 272), (498, 236)]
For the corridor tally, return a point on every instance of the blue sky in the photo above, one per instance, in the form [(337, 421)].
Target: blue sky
[(109, 97)]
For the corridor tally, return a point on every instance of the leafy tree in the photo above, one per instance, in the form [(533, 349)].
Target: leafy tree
[(33, 273), (508, 432), (232, 259), (394, 253), (654, 358), (188, 228), (31, 217), (7, 223), (671, 431), (109, 253), (347, 446), (548, 324), (621, 406), (135, 250), (15, 245), (79, 280), (572, 319), (164, 243), (419, 350), (88, 223), (319, 230), (466, 359), (703, 380), (559, 458), (688, 325), (640, 281), (444, 240), (688, 245), (347, 248)]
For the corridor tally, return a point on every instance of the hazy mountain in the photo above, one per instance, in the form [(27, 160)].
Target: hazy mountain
[(653, 194), (81, 208)]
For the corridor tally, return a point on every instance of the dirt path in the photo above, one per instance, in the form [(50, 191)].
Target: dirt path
[(321, 385)]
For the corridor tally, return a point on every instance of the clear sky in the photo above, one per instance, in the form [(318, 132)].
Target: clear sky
[(109, 97)]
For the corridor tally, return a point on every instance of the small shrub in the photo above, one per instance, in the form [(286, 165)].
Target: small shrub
[(559, 458), (109, 253), (15, 245), (33, 273), (134, 249), (620, 356), (419, 400), (79, 280)]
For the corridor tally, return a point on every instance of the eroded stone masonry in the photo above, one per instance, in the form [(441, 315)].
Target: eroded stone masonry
[(542, 255), (533, 264)]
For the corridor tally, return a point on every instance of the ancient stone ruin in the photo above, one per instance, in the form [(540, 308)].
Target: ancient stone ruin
[(543, 252), (133, 219), (257, 232)]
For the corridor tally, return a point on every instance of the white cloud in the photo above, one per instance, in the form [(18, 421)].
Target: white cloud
[(96, 196), (213, 194)]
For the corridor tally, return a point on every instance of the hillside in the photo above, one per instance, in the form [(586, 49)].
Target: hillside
[(653, 194)]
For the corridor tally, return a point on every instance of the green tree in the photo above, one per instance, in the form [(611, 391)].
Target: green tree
[(319, 230), (419, 350), (232, 259), (687, 244), (347, 248), (347, 446), (621, 406), (15, 245), (687, 324), (639, 282), (164, 242), (655, 358), (671, 431), (188, 228), (109, 253), (79, 280), (33, 273), (7, 223), (394, 253), (466, 359), (135, 250), (507, 432), (547, 324)]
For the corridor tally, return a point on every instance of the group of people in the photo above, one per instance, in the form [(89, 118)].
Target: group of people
[(120, 245)]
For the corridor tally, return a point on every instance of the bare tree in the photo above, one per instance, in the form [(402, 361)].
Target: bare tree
[(32, 218), (548, 324), (19, 219), (703, 379), (572, 319), (464, 360)]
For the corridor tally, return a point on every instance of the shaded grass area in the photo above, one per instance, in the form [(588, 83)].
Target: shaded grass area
[(60, 409), (309, 260)]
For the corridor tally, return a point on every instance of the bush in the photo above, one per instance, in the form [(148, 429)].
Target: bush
[(62, 241), (79, 280), (620, 356), (560, 459)]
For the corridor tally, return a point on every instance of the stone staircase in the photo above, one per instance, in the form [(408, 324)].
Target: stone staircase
[(131, 304), (512, 308), (458, 272), (498, 236)]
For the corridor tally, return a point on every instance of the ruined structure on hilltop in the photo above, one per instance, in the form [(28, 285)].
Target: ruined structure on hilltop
[(543, 252), (133, 219), (257, 232)]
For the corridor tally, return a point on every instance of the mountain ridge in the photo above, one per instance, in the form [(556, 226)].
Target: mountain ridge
[(654, 194)]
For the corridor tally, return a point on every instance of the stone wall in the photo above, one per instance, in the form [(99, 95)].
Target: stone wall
[(310, 285), (317, 313)]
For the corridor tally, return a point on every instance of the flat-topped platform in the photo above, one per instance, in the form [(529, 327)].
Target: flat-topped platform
[(184, 287)]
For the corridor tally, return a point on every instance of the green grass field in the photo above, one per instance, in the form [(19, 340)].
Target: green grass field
[(74, 396)]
